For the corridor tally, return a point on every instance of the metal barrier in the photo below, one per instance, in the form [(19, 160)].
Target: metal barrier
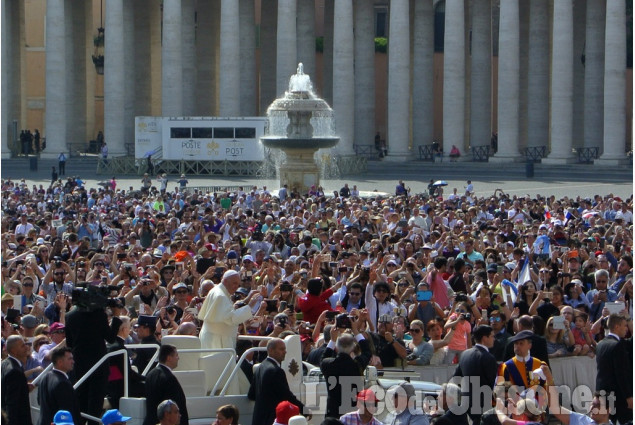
[(366, 151), (535, 153), (212, 189), (426, 152), (480, 153), (587, 155)]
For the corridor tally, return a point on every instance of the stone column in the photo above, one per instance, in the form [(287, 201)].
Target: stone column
[(229, 58), (538, 74), (306, 36), (481, 74), (327, 56), (364, 73), (343, 76), (579, 41), (171, 60), (268, 49), (248, 79), (594, 74), (188, 57), (56, 70), (423, 75), (130, 63), (561, 121), (399, 82), (286, 58), (508, 82), (614, 85), (114, 79), (454, 76), (6, 134)]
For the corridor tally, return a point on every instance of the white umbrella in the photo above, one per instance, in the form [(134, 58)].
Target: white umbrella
[(440, 183)]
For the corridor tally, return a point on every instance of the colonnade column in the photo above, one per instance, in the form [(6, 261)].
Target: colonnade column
[(454, 75), (614, 85), (423, 74), (143, 54), (56, 118), (171, 60), (247, 58), (481, 74), (114, 79), (286, 57), (364, 72), (343, 76), (594, 73), (229, 89), (129, 64), (561, 121), (538, 74), (306, 36), (5, 131), (75, 72), (508, 82), (399, 81)]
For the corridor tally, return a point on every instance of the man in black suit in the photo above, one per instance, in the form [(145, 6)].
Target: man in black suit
[(315, 356), (270, 385), (146, 327), (15, 388), (615, 368), (538, 343), (136, 381), (161, 384), (56, 390), (344, 374), (479, 365), (87, 331)]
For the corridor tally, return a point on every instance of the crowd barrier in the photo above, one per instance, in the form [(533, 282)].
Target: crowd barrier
[(569, 371)]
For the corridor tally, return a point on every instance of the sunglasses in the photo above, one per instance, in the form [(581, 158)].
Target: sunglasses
[(180, 292), (494, 319), (99, 264), (415, 330), (59, 273)]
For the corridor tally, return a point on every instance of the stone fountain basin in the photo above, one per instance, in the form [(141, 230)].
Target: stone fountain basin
[(285, 143)]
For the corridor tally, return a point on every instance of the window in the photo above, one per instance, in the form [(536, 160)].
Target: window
[(381, 21), (180, 133), (245, 133), (202, 133), (439, 26), (223, 133)]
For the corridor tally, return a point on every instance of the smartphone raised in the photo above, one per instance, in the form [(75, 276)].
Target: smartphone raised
[(424, 295)]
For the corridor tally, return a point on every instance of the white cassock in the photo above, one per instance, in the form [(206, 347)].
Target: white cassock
[(220, 320), (220, 328)]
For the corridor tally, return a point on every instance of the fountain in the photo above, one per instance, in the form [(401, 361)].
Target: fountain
[(300, 123)]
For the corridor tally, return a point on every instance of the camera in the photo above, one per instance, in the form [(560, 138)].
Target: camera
[(170, 310), (411, 357), (342, 321), (282, 322)]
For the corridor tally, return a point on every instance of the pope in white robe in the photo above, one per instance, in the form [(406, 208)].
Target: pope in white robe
[(220, 319)]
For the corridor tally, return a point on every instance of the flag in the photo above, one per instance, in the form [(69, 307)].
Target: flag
[(547, 213), (567, 216), (524, 274), (510, 288)]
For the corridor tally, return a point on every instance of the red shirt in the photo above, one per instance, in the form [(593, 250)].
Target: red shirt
[(313, 305)]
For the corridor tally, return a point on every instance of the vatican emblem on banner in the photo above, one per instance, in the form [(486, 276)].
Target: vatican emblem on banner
[(212, 148), (293, 367)]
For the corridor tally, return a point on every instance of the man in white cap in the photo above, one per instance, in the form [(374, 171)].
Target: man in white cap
[(220, 319)]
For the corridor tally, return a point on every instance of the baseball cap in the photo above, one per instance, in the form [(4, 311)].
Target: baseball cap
[(57, 326), (113, 416), (63, 417), (248, 258), (285, 410), (179, 285)]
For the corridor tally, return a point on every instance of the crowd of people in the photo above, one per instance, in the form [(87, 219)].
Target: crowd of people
[(497, 285)]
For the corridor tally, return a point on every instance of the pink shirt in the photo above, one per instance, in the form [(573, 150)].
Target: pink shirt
[(439, 290), (461, 334)]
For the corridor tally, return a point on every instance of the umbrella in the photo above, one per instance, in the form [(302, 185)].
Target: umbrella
[(150, 153), (440, 183)]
